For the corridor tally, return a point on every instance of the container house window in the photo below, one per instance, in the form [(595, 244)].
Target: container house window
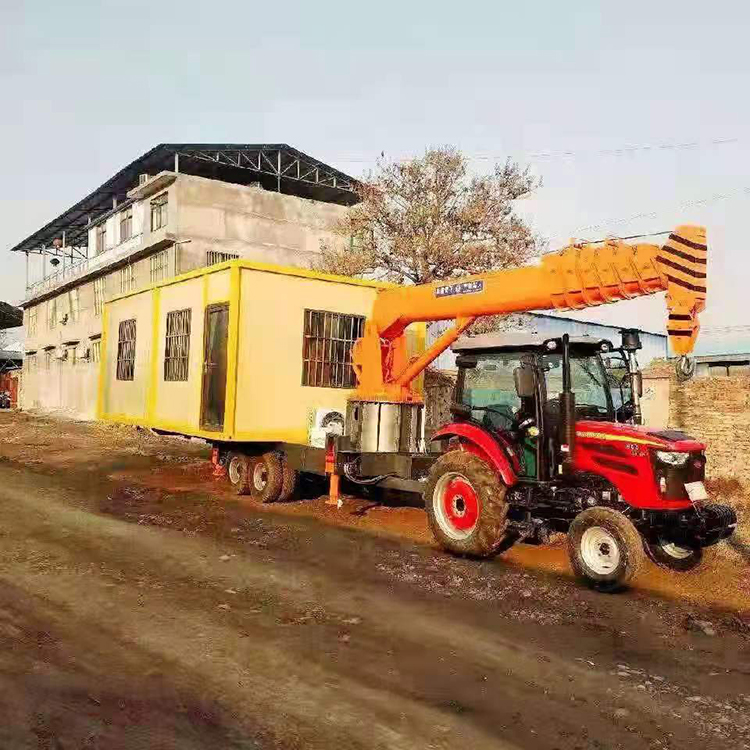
[(159, 212), (101, 238), (158, 263), (126, 350), (327, 348), (216, 256), (100, 291), (177, 349), (126, 224), (127, 279)]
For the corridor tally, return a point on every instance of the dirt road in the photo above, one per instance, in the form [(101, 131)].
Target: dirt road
[(143, 607)]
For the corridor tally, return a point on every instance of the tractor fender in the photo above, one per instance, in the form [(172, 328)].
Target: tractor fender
[(487, 447)]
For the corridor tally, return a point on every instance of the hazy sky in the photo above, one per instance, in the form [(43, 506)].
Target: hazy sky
[(586, 93)]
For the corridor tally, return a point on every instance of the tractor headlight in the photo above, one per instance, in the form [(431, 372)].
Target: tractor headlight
[(672, 458)]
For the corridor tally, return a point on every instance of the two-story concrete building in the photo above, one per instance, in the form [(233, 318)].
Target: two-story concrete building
[(176, 208)]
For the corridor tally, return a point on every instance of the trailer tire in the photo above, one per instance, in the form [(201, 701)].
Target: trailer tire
[(605, 549), (673, 557), (266, 477), (465, 503), (289, 480), (238, 472)]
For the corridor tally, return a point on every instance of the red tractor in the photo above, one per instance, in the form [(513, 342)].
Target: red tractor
[(544, 441)]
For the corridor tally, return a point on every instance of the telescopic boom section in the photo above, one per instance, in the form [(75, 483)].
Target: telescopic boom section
[(577, 277)]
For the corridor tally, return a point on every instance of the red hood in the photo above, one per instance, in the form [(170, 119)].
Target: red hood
[(665, 439)]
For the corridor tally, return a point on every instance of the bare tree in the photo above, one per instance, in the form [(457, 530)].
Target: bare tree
[(427, 219)]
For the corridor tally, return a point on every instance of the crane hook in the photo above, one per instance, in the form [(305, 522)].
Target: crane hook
[(685, 367)]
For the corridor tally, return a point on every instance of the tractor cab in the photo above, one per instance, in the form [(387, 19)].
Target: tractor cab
[(517, 387)]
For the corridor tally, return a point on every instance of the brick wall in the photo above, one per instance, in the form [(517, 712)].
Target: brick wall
[(716, 411)]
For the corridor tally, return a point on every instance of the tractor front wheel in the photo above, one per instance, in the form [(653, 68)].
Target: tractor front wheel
[(465, 503), (605, 549)]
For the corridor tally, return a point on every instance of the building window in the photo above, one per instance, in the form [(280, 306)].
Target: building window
[(31, 321), (48, 354), (127, 279), (177, 349), (159, 212), (216, 256), (101, 238), (71, 354), (126, 350), (74, 305), (327, 348), (100, 292), (126, 224), (159, 262), (31, 362), (96, 351), (51, 313)]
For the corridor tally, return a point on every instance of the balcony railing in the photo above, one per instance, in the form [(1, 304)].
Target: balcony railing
[(83, 267)]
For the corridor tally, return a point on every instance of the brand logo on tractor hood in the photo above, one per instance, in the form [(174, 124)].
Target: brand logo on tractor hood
[(461, 287)]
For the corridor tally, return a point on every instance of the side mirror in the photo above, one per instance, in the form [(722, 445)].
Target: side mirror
[(525, 381)]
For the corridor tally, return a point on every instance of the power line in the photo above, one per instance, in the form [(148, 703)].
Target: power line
[(566, 154)]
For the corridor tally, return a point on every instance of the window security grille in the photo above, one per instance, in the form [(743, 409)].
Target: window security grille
[(126, 350), (126, 224), (96, 351), (100, 290), (158, 264), (159, 212), (327, 348), (216, 256), (177, 349), (127, 279)]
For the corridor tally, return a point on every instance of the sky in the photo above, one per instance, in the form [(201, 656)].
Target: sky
[(633, 114)]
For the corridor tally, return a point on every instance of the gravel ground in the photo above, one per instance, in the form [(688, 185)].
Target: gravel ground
[(142, 605)]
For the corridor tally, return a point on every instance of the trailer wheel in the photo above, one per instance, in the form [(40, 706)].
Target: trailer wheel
[(672, 556), (266, 477), (465, 503), (238, 472), (605, 549), (289, 480)]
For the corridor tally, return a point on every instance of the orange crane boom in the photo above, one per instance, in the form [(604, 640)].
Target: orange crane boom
[(577, 277)]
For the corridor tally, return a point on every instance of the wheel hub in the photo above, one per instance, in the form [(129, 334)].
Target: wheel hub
[(234, 470), (600, 551), (260, 477), (456, 505)]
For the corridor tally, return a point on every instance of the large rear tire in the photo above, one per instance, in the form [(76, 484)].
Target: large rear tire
[(266, 477), (238, 472), (672, 556), (465, 503), (605, 549), (289, 480)]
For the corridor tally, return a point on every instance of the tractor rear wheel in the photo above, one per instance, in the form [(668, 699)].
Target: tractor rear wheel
[(672, 556), (465, 503), (605, 549), (266, 477)]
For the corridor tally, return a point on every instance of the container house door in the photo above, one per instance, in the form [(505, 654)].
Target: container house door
[(214, 367)]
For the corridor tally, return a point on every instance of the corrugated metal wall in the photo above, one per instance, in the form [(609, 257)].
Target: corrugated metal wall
[(547, 326)]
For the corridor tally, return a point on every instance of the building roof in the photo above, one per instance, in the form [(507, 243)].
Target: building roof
[(276, 166)]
